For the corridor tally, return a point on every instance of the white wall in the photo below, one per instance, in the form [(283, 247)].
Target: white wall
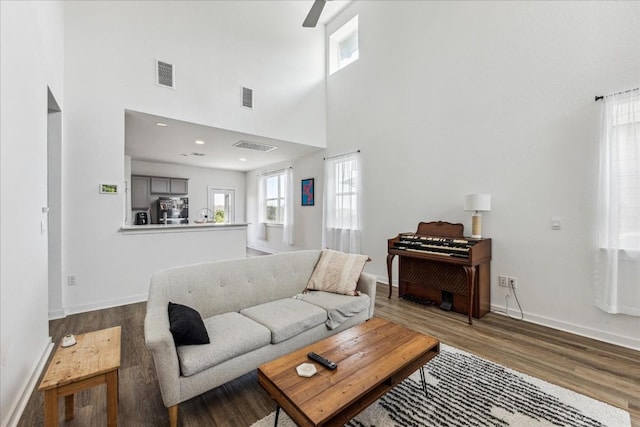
[(307, 232), (199, 181), (31, 49), (110, 49), (452, 98)]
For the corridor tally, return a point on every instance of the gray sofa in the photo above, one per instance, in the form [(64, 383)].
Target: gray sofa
[(254, 311)]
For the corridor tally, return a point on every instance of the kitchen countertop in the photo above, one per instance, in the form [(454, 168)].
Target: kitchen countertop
[(162, 228)]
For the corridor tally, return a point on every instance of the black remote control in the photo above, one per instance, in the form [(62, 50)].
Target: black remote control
[(321, 360)]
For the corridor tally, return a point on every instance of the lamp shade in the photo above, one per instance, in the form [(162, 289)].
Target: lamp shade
[(477, 202)]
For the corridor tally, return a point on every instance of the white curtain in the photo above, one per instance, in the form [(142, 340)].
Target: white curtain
[(287, 229), (262, 191), (617, 273), (342, 215)]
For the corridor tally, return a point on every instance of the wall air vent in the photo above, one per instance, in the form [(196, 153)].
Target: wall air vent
[(247, 97), (165, 74), (254, 146)]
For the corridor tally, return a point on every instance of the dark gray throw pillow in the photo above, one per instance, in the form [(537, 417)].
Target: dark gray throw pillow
[(186, 325)]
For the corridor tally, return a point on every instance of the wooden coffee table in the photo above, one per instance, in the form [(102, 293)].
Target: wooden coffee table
[(372, 358), (93, 360)]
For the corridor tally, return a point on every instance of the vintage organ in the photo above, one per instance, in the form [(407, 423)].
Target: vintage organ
[(437, 263)]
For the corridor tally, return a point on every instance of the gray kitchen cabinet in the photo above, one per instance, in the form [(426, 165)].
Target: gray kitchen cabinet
[(175, 186), (179, 186), (139, 192), (160, 185)]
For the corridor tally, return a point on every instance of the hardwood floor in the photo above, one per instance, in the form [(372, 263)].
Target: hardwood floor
[(602, 371), (256, 252)]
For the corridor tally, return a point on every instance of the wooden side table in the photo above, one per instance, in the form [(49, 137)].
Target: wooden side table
[(92, 361)]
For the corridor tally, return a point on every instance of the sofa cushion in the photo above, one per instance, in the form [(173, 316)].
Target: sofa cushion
[(186, 325), (337, 272), (339, 307), (286, 318), (231, 334)]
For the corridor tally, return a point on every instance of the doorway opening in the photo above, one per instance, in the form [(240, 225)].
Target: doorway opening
[(54, 206)]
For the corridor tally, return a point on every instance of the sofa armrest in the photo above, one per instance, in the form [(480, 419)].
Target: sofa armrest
[(160, 344), (367, 285)]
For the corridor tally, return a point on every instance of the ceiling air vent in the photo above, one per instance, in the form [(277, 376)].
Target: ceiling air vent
[(247, 97), (198, 154), (165, 74), (254, 146)]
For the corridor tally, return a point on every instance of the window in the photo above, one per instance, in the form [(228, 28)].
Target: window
[(221, 203), (617, 264), (343, 46), (620, 173), (345, 196), (275, 198), (342, 215)]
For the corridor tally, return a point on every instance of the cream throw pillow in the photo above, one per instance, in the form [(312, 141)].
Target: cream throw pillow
[(337, 272)]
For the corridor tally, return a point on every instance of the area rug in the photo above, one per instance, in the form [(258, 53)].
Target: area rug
[(466, 390)]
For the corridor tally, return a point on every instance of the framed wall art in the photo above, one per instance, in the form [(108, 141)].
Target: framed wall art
[(307, 192), (108, 188)]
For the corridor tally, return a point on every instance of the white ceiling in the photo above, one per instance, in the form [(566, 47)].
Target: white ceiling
[(331, 9), (175, 143)]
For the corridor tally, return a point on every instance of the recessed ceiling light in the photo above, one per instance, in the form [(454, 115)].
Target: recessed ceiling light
[(161, 124), (242, 159), (199, 142)]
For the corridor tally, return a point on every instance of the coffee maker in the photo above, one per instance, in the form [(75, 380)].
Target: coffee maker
[(173, 210)]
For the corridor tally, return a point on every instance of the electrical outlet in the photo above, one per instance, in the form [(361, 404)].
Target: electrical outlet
[(513, 282), (72, 280), (502, 281)]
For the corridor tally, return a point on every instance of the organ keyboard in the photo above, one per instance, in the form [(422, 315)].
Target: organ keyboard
[(434, 245), (437, 259)]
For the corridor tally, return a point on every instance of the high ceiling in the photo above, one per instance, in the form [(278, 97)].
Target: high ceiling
[(175, 143), (331, 9)]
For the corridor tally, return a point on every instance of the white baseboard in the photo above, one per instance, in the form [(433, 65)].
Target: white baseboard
[(385, 281), (57, 314), (263, 249), (105, 304), (15, 412), (632, 343)]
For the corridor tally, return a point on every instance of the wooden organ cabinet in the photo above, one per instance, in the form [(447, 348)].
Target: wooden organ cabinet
[(437, 263)]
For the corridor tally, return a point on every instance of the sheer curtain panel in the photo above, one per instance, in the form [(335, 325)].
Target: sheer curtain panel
[(287, 229), (617, 271), (342, 204), (262, 207)]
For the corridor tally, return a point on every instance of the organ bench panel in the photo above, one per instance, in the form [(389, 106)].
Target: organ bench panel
[(437, 258)]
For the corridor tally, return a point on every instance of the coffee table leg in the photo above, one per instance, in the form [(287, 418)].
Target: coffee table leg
[(424, 381), (275, 423)]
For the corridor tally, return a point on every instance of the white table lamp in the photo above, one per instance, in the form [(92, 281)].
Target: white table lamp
[(477, 203)]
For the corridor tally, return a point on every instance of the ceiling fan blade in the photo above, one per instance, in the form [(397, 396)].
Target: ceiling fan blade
[(314, 14)]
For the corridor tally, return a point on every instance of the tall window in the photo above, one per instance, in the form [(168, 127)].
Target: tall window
[(221, 203), (275, 198), (343, 46), (275, 195), (618, 263), (342, 204)]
